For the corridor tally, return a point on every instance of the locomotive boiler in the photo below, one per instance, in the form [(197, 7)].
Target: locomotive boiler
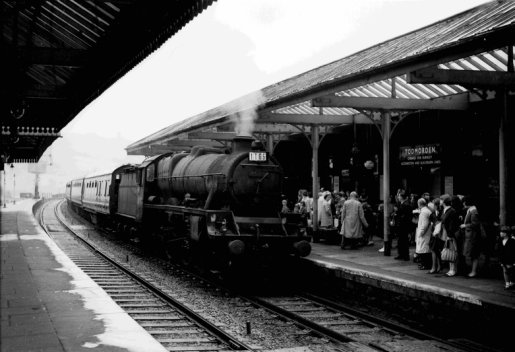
[(245, 180)]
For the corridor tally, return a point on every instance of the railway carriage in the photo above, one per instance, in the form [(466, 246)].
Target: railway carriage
[(95, 195)]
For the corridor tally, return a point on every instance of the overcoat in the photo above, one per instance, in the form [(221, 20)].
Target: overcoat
[(326, 214), (424, 231), (353, 219)]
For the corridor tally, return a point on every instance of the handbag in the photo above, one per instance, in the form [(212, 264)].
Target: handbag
[(393, 221), (449, 254)]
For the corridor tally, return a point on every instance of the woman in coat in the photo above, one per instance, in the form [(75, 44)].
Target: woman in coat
[(472, 241), (326, 219), (450, 228), (423, 235)]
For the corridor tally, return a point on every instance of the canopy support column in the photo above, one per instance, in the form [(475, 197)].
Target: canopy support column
[(314, 146), (386, 128), (502, 160)]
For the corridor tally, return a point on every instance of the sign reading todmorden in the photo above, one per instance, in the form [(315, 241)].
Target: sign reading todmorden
[(420, 155)]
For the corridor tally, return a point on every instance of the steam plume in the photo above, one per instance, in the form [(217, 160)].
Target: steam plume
[(246, 113)]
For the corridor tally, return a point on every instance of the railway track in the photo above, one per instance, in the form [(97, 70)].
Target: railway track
[(174, 325), (316, 316), (340, 323)]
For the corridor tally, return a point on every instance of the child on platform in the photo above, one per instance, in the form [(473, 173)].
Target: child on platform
[(507, 257)]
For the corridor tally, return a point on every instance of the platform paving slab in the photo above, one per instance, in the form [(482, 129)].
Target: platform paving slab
[(48, 303)]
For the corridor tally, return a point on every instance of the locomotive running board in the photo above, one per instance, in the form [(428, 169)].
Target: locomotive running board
[(256, 220), (184, 210)]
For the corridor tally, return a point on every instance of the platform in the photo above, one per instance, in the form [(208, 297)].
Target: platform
[(368, 266), (48, 303)]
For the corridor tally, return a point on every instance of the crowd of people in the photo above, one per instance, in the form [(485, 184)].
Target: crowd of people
[(445, 231)]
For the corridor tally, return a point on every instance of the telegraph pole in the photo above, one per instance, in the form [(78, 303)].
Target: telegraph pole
[(3, 190), (14, 184)]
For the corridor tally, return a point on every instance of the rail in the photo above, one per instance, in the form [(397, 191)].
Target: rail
[(221, 335)]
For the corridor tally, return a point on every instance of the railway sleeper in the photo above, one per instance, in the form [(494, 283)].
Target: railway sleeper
[(115, 286), (194, 348), (321, 316), (123, 296), (137, 300), (338, 322), (195, 340), (156, 310), (125, 291), (132, 305), (156, 316), (307, 310), (161, 322), (165, 330)]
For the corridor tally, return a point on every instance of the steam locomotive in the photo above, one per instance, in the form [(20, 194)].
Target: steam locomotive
[(223, 204)]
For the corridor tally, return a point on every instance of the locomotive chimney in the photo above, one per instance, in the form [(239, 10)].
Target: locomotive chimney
[(241, 144)]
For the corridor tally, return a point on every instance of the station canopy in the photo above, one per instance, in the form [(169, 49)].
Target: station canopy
[(58, 56), (443, 66)]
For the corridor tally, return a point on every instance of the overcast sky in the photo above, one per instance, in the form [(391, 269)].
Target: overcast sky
[(233, 48)]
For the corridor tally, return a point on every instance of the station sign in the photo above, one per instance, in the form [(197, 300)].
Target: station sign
[(259, 157), (420, 155)]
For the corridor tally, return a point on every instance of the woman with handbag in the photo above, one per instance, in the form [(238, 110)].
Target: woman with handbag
[(450, 227), (436, 243), (472, 243)]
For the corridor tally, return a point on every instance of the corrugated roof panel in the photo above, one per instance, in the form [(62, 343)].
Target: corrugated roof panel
[(72, 30), (491, 61), (376, 90), (75, 21), (501, 56), (82, 23), (410, 91), (61, 33), (111, 5), (87, 14), (480, 64)]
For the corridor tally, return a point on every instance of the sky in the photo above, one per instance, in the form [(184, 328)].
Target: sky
[(233, 48)]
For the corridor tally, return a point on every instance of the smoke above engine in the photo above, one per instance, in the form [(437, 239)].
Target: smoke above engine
[(246, 113)]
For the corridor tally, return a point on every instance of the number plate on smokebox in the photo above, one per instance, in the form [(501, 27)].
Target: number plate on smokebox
[(259, 157)]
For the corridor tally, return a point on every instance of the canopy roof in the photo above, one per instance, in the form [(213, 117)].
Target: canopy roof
[(60, 55), (445, 65)]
